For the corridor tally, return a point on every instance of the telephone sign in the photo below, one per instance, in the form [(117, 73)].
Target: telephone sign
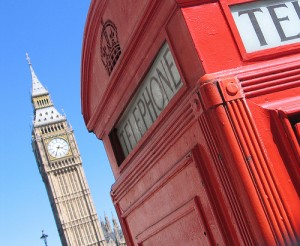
[(267, 24), (160, 84)]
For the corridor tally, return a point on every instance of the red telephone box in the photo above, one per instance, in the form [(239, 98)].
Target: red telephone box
[(198, 105)]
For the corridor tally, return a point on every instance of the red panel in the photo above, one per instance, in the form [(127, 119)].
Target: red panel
[(185, 221), (94, 74), (184, 49), (147, 216), (212, 37)]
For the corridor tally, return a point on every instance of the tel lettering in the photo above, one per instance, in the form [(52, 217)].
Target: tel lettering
[(277, 21)]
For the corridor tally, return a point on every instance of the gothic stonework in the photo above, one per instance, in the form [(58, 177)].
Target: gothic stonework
[(113, 235), (60, 166)]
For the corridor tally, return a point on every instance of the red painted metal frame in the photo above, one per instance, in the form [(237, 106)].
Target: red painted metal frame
[(217, 166), (258, 55)]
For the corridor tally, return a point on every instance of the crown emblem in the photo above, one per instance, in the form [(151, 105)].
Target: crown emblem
[(110, 46)]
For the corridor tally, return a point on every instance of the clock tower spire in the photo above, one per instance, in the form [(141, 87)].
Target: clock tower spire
[(60, 166), (37, 87), (44, 110)]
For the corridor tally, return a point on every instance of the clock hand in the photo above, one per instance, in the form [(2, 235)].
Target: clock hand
[(57, 148)]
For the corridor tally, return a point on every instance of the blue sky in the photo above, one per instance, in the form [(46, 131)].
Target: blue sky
[(52, 33)]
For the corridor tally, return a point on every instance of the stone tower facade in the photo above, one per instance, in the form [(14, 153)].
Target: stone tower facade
[(60, 166)]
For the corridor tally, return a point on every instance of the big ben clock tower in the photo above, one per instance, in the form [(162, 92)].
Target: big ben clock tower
[(60, 166)]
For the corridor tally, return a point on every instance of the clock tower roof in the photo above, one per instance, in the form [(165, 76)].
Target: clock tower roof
[(44, 110), (37, 88)]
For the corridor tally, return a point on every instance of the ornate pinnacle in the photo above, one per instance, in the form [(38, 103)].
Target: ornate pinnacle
[(28, 58)]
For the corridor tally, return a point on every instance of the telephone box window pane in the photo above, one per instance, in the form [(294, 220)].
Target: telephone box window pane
[(159, 86), (267, 24)]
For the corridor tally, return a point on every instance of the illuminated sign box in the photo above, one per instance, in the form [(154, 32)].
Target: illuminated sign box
[(267, 24), (158, 87)]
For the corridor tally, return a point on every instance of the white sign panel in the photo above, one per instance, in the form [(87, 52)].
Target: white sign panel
[(159, 86), (267, 24)]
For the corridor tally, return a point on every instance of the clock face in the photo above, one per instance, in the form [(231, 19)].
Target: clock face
[(58, 147)]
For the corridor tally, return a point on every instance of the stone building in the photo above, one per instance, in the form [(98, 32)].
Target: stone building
[(113, 234)]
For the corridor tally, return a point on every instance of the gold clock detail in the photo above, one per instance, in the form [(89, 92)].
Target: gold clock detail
[(58, 147)]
